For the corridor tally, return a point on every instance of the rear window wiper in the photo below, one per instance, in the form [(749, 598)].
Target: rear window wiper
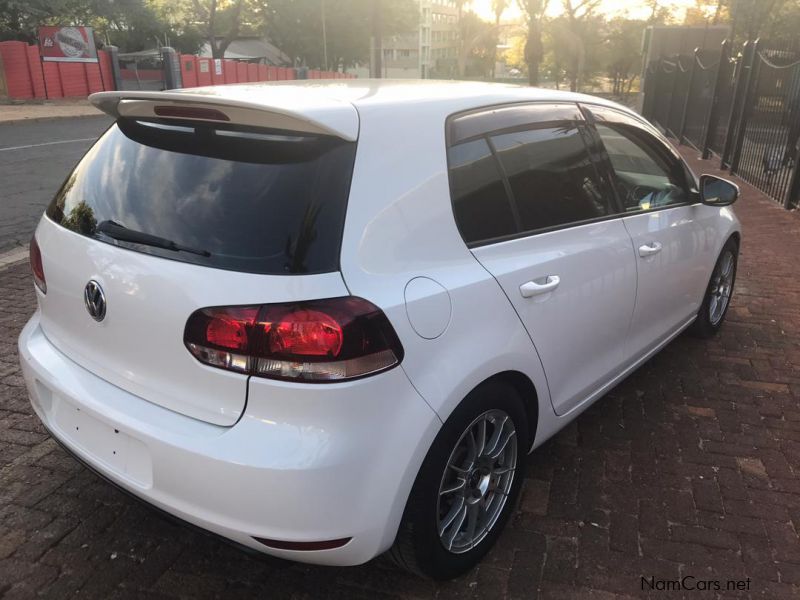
[(120, 232)]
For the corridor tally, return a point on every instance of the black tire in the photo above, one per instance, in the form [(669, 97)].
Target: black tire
[(707, 324), (418, 547)]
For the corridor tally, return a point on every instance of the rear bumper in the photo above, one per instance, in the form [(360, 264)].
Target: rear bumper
[(305, 463)]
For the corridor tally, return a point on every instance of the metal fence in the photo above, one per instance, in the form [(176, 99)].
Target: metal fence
[(741, 105)]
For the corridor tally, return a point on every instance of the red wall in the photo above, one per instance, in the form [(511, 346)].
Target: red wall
[(17, 71), (27, 77), (229, 70), (205, 70), (240, 72), (188, 70)]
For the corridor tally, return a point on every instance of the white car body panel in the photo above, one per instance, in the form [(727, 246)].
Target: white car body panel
[(308, 462), (401, 227), (146, 317), (671, 283), (245, 481), (577, 325)]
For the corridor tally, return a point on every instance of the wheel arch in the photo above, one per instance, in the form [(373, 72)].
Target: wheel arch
[(527, 391)]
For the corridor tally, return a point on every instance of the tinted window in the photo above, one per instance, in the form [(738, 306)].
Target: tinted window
[(253, 201), (648, 172), (480, 203), (552, 178), (645, 178), (513, 116)]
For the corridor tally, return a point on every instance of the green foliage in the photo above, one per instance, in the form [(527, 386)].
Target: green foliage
[(479, 41), (20, 18), (573, 49), (622, 55), (220, 22), (773, 20), (534, 11), (130, 24), (81, 219), (295, 26)]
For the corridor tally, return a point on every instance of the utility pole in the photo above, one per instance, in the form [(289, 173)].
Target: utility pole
[(324, 37), (377, 42)]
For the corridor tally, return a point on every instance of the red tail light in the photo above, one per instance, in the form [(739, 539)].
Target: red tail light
[(191, 112), (36, 266), (315, 341)]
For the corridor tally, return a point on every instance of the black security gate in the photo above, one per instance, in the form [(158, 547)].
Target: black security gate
[(742, 105), (771, 122), (719, 116)]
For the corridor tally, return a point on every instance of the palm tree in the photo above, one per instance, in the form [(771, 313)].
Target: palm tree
[(534, 11), (499, 7)]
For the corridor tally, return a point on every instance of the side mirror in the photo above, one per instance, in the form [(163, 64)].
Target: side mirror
[(715, 191)]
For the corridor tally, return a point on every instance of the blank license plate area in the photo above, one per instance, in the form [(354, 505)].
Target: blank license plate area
[(117, 451)]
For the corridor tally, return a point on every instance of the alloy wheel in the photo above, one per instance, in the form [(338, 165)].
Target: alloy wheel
[(477, 481), (721, 287)]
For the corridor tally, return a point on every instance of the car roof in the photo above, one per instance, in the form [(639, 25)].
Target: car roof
[(362, 93)]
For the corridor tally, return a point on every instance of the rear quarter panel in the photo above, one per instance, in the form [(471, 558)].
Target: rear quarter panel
[(399, 226)]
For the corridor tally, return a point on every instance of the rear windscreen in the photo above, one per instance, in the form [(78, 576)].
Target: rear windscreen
[(256, 201)]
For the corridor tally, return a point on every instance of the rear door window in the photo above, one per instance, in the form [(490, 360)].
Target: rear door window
[(524, 168), (552, 177), (248, 200)]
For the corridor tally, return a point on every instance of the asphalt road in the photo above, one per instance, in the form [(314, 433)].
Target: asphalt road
[(35, 157)]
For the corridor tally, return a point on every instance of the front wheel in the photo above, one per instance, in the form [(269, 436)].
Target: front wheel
[(467, 485), (719, 292)]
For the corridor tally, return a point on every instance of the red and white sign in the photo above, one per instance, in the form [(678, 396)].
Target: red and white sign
[(67, 44)]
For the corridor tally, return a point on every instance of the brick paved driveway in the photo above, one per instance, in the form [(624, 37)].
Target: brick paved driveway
[(690, 467)]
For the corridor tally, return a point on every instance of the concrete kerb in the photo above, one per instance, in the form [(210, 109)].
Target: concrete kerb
[(13, 257)]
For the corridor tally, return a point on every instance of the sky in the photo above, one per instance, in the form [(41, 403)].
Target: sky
[(629, 8)]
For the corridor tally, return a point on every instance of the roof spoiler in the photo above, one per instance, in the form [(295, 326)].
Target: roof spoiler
[(273, 107)]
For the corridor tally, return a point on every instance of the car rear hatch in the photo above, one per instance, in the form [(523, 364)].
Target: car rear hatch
[(181, 205)]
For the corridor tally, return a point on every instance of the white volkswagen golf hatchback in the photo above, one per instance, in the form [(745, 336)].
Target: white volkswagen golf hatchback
[(325, 320)]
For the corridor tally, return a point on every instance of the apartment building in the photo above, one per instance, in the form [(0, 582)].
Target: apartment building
[(438, 38)]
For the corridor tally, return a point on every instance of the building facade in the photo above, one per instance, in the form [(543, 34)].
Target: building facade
[(438, 39), (430, 52)]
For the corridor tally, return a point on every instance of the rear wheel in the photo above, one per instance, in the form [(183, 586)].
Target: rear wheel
[(467, 485), (719, 292)]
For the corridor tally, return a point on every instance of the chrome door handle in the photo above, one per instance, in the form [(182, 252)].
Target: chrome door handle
[(649, 249), (532, 288)]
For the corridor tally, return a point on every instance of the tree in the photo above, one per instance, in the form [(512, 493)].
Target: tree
[(295, 26), (130, 24), (514, 56), (772, 20), (220, 21), (704, 12), (659, 13), (19, 19), (478, 45), (578, 13), (623, 53), (534, 14), (499, 7)]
